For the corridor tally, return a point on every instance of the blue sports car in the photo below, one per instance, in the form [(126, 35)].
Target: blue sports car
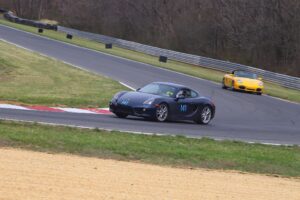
[(163, 101)]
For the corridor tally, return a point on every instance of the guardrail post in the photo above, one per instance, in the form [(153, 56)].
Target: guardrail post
[(3, 10), (224, 66), (163, 59), (69, 36), (108, 46)]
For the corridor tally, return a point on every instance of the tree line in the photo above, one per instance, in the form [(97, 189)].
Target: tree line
[(261, 33)]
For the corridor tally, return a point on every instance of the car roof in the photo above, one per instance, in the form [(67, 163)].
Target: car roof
[(171, 84), (177, 86), (242, 70)]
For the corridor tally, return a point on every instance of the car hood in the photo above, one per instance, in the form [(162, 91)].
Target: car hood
[(135, 98), (248, 81)]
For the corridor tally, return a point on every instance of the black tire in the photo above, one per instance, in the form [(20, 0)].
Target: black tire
[(205, 118), (259, 93), (223, 84), (162, 112), (121, 115)]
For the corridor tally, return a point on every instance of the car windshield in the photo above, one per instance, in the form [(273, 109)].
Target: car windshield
[(245, 74), (160, 89)]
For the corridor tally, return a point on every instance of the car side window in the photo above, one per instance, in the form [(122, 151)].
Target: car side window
[(194, 94), (188, 93)]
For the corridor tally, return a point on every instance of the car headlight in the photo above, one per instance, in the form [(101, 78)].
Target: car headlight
[(261, 84), (149, 101), (239, 81)]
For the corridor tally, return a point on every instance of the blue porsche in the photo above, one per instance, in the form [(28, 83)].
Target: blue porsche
[(162, 102)]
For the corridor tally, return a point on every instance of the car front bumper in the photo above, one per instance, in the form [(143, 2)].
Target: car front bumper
[(248, 89), (147, 111)]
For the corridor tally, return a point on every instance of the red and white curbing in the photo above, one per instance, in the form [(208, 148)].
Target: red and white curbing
[(99, 111)]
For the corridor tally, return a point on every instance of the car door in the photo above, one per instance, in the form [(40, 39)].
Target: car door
[(185, 107)]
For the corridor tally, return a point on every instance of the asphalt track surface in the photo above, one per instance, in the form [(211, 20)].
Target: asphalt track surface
[(239, 116)]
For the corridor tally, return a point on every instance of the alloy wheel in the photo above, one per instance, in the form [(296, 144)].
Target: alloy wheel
[(162, 113), (206, 115)]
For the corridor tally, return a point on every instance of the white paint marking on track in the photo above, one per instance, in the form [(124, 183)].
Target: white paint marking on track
[(47, 56), (132, 88), (8, 106), (56, 109), (3, 40), (216, 83), (135, 132), (75, 110), (285, 100), (111, 55)]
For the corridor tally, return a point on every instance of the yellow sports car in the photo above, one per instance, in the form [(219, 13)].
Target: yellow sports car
[(243, 81)]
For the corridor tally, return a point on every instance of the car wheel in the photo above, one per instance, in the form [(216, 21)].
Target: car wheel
[(223, 84), (162, 112), (259, 93), (206, 115), (121, 115)]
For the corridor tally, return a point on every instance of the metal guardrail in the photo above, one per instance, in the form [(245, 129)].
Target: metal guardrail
[(2, 10), (281, 79), (225, 66), (11, 17)]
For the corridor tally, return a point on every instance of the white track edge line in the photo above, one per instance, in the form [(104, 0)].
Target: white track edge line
[(13, 107), (108, 54), (67, 110), (143, 133), (216, 83), (55, 59), (132, 88)]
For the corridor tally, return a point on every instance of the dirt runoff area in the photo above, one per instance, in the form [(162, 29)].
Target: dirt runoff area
[(33, 175)]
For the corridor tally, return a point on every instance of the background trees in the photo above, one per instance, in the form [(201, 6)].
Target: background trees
[(32, 9), (261, 33)]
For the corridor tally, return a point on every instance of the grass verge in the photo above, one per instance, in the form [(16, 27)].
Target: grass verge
[(209, 74), (161, 150), (29, 78)]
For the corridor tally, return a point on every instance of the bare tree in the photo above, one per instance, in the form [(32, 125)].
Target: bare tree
[(262, 33)]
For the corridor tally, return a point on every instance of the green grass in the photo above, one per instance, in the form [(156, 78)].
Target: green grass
[(29, 78), (213, 75), (209, 74), (160, 150)]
